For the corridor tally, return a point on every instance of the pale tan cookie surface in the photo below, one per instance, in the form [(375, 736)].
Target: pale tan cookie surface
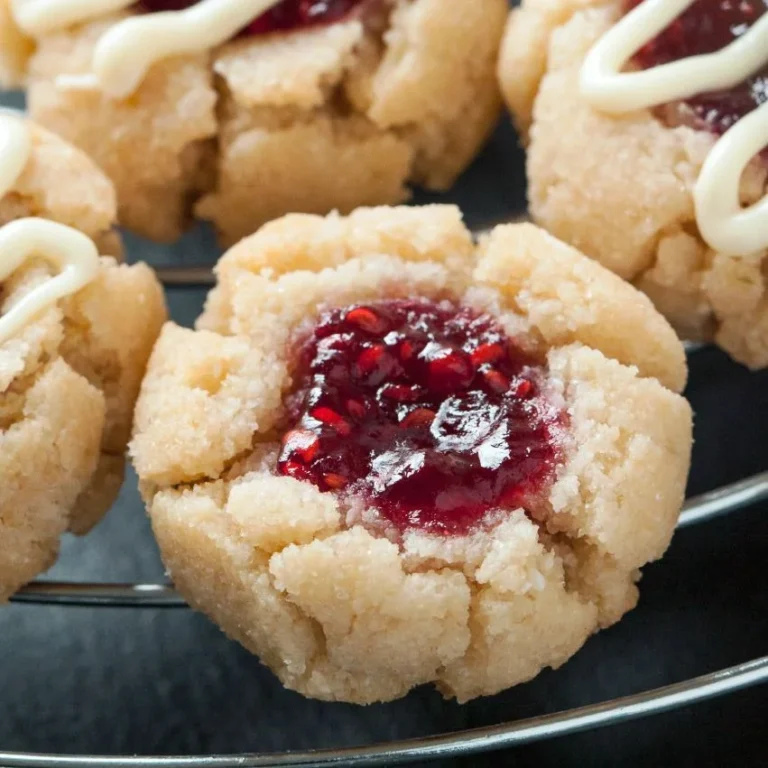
[(59, 182), (621, 188), (151, 145), (322, 119), (68, 382), (336, 609), (15, 49)]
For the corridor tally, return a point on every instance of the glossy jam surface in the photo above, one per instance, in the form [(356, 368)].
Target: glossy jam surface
[(429, 412), (285, 16), (708, 26)]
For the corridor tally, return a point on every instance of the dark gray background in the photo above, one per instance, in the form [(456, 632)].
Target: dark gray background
[(121, 681)]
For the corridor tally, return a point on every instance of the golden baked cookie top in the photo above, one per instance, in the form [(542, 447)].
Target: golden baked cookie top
[(75, 334), (163, 29), (74, 254), (318, 106), (708, 60), (643, 190), (390, 455)]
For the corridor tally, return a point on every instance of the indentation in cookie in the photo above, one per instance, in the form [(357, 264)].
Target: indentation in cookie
[(708, 26), (428, 411), (283, 17)]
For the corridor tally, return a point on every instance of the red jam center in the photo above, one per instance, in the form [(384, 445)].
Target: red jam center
[(708, 26), (285, 16), (429, 412)]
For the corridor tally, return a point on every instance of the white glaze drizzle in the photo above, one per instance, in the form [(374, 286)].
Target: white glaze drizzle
[(128, 49), (722, 221), (74, 254), (723, 224), (39, 17)]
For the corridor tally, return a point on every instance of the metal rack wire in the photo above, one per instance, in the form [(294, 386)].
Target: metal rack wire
[(697, 510), (448, 745)]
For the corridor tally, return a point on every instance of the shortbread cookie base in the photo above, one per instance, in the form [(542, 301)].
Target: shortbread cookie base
[(621, 188), (68, 386), (323, 119), (69, 380), (337, 609), (49, 448), (152, 145)]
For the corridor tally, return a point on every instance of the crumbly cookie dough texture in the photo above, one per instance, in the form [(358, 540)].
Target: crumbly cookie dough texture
[(620, 188), (69, 381), (341, 613), (328, 118)]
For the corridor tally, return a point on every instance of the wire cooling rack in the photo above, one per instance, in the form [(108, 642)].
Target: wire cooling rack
[(697, 510)]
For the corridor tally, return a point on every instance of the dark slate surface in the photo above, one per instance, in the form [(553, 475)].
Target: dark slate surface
[(120, 681)]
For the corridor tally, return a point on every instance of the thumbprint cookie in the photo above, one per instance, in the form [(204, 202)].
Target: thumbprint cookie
[(244, 110), (389, 456), (647, 128), (76, 330)]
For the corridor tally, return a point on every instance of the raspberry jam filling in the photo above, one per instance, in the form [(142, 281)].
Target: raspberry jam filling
[(429, 412), (706, 27), (285, 16)]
